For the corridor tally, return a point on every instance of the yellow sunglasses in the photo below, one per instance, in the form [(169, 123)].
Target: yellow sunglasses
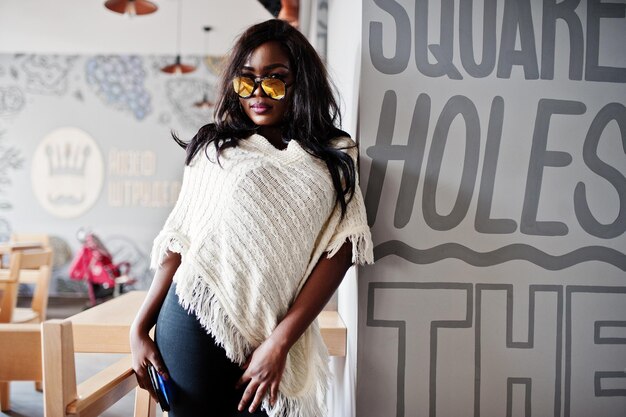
[(273, 87)]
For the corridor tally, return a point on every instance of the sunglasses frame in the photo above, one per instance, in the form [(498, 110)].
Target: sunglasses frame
[(258, 81)]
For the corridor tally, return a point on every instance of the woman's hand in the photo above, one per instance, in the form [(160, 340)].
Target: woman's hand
[(264, 368), (145, 352), (143, 349), (263, 371)]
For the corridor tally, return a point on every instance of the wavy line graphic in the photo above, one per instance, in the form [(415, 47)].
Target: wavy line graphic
[(516, 251)]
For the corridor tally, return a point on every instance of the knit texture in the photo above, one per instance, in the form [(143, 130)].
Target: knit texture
[(250, 232)]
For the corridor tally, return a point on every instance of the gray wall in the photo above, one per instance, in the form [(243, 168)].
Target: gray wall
[(493, 164)]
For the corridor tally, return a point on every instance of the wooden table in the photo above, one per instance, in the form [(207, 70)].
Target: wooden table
[(105, 327)]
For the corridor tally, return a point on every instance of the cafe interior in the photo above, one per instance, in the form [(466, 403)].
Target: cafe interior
[(90, 92)]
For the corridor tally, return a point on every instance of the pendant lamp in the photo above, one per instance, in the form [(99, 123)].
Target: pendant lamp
[(131, 7), (177, 67), (213, 63), (205, 103)]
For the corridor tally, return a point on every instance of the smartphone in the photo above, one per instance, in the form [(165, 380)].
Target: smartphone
[(161, 388)]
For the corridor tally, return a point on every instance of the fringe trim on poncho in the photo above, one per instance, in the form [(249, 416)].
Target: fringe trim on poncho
[(362, 249), (196, 296), (171, 240)]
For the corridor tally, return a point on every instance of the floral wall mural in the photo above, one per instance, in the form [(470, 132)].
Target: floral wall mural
[(99, 127)]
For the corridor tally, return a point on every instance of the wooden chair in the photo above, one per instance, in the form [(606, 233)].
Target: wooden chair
[(63, 397), (25, 267), (21, 359)]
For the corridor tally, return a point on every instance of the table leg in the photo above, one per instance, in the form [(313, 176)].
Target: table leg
[(145, 406), (5, 403)]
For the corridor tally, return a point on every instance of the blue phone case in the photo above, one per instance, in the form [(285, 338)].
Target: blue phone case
[(161, 388)]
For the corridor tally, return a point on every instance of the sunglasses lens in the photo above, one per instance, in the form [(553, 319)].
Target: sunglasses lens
[(243, 86), (274, 88)]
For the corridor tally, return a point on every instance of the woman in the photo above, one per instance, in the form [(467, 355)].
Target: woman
[(269, 218)]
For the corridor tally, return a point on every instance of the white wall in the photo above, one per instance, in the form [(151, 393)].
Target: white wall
[(344, 65)]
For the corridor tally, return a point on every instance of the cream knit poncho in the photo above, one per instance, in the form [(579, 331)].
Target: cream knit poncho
[(250, 232)]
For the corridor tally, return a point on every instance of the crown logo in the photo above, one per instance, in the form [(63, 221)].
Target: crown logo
[(67, 159)]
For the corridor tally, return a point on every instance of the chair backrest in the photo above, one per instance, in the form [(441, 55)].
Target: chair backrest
[(29, 266), (62, 396), (41, 263), (9, 280)]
